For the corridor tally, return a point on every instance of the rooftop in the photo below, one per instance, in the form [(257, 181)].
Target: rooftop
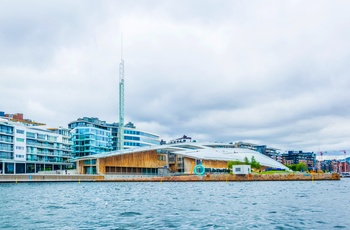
[(202, 151)]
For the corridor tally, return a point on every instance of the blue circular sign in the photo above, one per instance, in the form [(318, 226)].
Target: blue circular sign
[(199, 170)]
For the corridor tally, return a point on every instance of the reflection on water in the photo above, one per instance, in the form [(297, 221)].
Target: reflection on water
[(179, 205)]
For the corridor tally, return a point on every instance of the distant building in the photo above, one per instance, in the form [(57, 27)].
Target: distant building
[(108, 139), (263, 149), (18, 117), (343, 166), (334, 165), (329, 165), (182, 139), (296, 157), (25, 149)]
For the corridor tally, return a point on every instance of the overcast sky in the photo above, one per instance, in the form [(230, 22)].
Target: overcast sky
[(266, 72)]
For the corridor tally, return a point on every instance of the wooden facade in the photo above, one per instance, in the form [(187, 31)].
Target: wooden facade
[(191, 163), (146, 159), (135, 162)]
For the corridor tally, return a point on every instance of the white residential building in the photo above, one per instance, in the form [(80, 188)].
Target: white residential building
[(25, 149)]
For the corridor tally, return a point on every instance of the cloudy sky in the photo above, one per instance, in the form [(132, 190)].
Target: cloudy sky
[(267, 72)]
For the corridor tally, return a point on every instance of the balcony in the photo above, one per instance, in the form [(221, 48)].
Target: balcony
[(32, 158), (7, 140), (6, 149), (5, 131)]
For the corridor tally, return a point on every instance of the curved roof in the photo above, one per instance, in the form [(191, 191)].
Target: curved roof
[(205, 151)]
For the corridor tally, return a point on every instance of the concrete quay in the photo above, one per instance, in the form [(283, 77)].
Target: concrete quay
[(27, 178), (229, 177), (18, 178)]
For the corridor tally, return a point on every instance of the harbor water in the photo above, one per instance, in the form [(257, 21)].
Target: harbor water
[(177, 205)]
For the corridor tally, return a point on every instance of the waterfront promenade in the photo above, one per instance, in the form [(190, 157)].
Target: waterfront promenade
[(183, 178)]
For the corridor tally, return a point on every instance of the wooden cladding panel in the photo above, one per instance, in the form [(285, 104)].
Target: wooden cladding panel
[(189, 165), (147, 159), (215, 164), (80, 167), (100, 167)]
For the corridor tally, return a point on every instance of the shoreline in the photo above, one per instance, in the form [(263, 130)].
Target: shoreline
[(32, 178)]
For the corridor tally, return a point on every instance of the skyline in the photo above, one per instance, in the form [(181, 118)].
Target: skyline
[(268, 73)]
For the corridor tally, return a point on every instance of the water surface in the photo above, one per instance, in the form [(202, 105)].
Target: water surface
[(178, 205)]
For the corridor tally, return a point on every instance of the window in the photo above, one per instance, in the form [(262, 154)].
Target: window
[(41, 136), (161, 158), (20, 131), (20, 139), (30, 135), (88, 162), (238, 169), (20, 147)]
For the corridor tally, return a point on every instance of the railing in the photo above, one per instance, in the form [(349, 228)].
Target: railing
[(40, 145), (6, 140), (48, 160), (6, 131), (50, 154), (6, 149), (47, 146)]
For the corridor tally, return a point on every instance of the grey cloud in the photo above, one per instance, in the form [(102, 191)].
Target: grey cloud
[(273, 73)]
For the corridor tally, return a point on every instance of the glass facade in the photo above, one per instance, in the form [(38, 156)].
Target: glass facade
[(132, 136), (90, 140), (6, 141)]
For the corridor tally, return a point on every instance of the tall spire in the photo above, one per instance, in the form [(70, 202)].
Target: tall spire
[(121, 101)]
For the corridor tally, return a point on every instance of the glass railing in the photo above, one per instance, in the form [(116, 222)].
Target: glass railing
[(6, 140), (31, 158), (40, 145), (6, 149), (6, 131)]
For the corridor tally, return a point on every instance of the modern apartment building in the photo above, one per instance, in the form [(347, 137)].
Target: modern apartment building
[(30, 149), (296, 157), (263, 149), (90, 135), (89, 140)]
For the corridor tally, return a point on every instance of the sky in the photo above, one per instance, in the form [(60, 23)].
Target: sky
[(267, 72)]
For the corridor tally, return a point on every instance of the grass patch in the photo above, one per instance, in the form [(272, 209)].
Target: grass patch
[(274, 172)]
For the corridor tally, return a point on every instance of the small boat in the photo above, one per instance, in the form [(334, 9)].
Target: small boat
[(345, 174)]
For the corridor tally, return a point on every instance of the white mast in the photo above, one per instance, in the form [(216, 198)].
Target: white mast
[(121, 101)]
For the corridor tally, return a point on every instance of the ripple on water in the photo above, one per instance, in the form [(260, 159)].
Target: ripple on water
[(55, 207), (130, 214), (292, 205)]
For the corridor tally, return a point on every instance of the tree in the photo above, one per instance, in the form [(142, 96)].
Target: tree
[(231, 163), (246, 161), (301, 167), (254, 163)]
